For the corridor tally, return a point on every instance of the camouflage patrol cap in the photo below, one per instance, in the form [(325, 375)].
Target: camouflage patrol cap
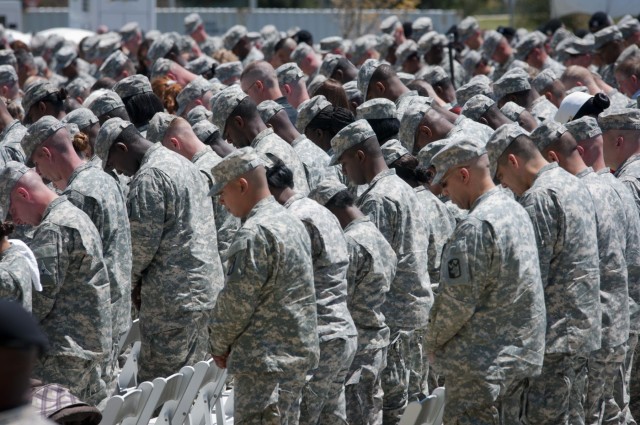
[(513, 81), (467, 27), (471, 61), (8, 75), (392, 150), (351, 89), (362, 45), (267, 109), (108, 134), (107, 43), (457, 152), (329, 64), (152, 35), (411, 120), (427, 153), (132, 85), (376, 109), (158, 126), (328, 44), (112, 66), (405, 77), (129, 30), (389, 24), (72, 128), (229, 70), (82, 117), (161, 67), (404, 51), (529, 42), (607, 35), (204, 130), (350, 136), (584, 128), (577, 89), (105, 103), (421, 26), (473, 88), (301, 51), (326, 189), (547, 133), (192, 91), (7, 57), (544, 80), (224, 103), (232, 166), (38, 132), (289, 73), (160, 47), (435, 75), (477, 106), (630, 51), (429, 40), (491, 41), (500, 140), (191, 22), (197, 114), (315, 83), (64, 57), (628, 27), (309, 109), (235, 34), (579, 46), (619, 119), (512, 110), (10, 174), (35, 93), (201, 64), (364, 75)]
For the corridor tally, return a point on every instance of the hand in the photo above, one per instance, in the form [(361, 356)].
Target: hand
[(221, 361)]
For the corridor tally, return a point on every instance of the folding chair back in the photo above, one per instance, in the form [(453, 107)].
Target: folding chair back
[(126, 408), (128, 377), (165, 390), (436, 412), (210, 395)]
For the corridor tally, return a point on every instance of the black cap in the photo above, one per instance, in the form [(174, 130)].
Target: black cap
[(19, 329), (598, 21)]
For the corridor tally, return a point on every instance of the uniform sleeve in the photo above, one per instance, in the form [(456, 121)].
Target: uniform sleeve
[(544, 215), (465, 262), (53, 261), (9, 286), (248, 269), (147, 208), (383, 215)]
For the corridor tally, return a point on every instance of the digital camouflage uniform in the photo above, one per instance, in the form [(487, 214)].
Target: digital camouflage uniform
[(226, 224), (488, 321), (15, 277), (314, 160), (265, 315), (10, 141), (372, 268), (605, 363), (542, 109), (74, 307), (565, 227), (394, 208), (175, 261), (323, 398)]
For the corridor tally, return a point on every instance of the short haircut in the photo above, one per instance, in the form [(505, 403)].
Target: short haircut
[(341, 200), (523, 147), (629, 67), (383, 73), (246, 109), (142, 107), (385, 128), (279, 176), (332, 120)]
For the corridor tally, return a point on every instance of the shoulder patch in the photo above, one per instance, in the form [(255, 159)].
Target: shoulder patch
[(454, 268)]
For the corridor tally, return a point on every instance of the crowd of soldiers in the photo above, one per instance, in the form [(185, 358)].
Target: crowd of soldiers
[(343, 225)]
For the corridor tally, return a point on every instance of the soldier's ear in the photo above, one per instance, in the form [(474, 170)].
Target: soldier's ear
[(338, 75), (425, 130), (286, 88), (483, 120), (552, 156), (243, 184), (122, 147), (580, 150), (513, 161), (238, 121), (379, 86), (619, 141)]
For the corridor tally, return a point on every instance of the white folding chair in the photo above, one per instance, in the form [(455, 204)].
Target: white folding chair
[(128, 377), (131, 336), (126, 408), (166, 391), (209, 395), (436, 411), (183, 408)]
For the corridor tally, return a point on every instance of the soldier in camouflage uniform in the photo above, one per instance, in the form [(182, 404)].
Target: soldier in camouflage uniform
[(264, 325), (393, 207), (48, 145), (557, 144), (74, 307), (178, 136), (514, 86), (18, 277), (176, 273), (496, 48), (238, 119), (372, 267), (564, 221), (487, 325), (10, 136), (623, 125), (323, 398)]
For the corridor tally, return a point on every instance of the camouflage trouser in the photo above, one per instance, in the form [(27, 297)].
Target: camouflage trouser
[(627, 383), (475, 401), (604, 365), (323, 399), (557, 395), (268, 398), (363, 388), (165, 353), (405, 376)]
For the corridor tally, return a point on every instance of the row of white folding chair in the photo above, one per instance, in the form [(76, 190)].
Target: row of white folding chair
[(425, 412), (128, 377), (175, 396)]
